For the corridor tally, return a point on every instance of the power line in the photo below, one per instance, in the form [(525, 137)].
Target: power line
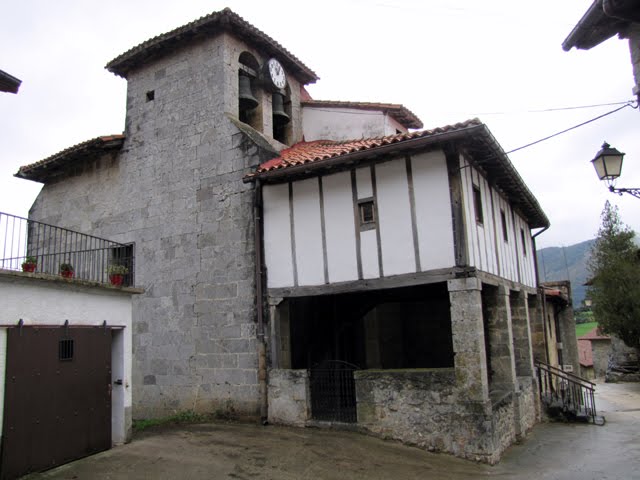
[(557, 109), (628, 104)]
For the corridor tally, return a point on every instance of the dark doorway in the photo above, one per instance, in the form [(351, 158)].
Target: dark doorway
[(57, 397), (334, 335)]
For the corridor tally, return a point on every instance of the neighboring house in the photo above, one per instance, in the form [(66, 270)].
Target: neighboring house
[(293, 274), (557, 326), (603, 20), (9, 83), (597, 349)]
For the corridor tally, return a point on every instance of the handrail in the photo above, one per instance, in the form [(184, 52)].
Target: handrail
[(574, 395)]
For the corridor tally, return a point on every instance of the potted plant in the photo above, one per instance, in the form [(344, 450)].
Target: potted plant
[(116, 274), (66, 270), (29, 264)]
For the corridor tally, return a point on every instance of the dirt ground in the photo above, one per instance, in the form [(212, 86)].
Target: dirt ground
[(239, 451)]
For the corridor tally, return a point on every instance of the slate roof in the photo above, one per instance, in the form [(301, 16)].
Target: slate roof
[(400, 113), (209, 26), (43, 170), (309, 158)]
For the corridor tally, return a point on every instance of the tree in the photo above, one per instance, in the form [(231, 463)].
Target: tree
[(615, 279)]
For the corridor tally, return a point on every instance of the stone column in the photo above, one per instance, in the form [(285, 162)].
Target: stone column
[(502, 364), (280, 340), (468, 338), (522, 347)]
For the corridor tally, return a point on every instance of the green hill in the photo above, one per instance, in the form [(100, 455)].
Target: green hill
[(567, 263)]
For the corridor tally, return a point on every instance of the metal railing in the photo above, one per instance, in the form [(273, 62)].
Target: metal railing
[(31, 246), (572, 395)]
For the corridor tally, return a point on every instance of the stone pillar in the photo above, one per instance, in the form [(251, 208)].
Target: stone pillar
[(634, 47), (468, 338), (536, 324), (280, 333), (522, 347), (497, 308)]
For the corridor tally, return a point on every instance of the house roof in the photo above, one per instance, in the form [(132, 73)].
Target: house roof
[(594, 334), (603, 20), (400, 113), (9, 83), (208, 26), (585, 353), (308, 158), (43, 170)]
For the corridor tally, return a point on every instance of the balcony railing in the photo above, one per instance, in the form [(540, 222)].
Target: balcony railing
[(24, 242)]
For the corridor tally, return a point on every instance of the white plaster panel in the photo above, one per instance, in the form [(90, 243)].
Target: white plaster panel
[(339, 227), (394, 209), (308, 232), (363, 183), (329, 123), (369, 254), (277, 235), (3, 371), (433, 210), (469, 213)]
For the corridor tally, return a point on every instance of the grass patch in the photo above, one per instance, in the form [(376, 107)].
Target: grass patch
[(187, 416), (584, 328)]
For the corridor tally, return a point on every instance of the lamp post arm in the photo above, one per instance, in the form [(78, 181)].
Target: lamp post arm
[(632, 191)]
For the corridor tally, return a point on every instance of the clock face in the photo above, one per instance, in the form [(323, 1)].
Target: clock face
[(276, 73)]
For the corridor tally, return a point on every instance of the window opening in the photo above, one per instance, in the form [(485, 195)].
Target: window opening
[(524, 243), (477, 204), (367, 214), (151, 95), (65, 350), (503, 220)]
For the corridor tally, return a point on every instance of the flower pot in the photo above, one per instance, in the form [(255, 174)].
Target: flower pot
[(67, 273), (116, 279), (29, 267)]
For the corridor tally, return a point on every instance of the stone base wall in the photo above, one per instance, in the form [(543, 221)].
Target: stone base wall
[(289, 398), (503, 426), (426, 409), (525, 406)]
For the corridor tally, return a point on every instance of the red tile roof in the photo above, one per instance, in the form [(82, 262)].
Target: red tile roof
[(401, 114), (209, 26), (43, 170), (594, 334), (319, 150), (309, 158)]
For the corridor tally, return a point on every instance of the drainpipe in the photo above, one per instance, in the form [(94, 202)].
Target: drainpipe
[(262, 348), (541, 289)]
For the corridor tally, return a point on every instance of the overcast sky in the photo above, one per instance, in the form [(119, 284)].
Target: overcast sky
[(446, 60)]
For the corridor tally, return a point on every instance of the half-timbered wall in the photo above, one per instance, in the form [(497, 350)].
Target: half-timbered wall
[(505, 251), (313, 233)]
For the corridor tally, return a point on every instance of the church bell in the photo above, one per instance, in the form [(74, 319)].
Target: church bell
[(279, 115), (247, 100)]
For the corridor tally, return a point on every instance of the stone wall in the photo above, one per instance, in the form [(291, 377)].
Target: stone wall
[(425, 408), (502, 423), (600, 351), (526, 409), (634, 47), (176, 192), (289, 398)]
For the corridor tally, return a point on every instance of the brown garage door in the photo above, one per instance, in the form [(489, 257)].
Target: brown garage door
[(57, 397)]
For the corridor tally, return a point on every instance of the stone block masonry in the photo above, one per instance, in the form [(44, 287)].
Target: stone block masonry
[(175, 191)]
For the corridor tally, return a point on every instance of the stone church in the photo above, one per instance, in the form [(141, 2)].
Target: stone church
[(304, 261)]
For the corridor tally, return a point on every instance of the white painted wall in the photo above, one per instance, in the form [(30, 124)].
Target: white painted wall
[(329, 123), (487, 249), (342, 232), (51, 302)]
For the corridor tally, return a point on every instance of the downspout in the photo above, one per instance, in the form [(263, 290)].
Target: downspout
[(544, 297), (262, 348)]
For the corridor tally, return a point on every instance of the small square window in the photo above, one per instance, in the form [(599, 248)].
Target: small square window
[(151, 95), (367, 214)]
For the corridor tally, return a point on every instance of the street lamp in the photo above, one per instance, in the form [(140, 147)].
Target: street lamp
[(608, 165)]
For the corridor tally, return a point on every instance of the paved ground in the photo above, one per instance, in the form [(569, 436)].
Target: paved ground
[(238, 451)]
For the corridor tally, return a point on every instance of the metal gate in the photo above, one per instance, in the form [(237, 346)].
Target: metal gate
[(57, 397), (333, 392)]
